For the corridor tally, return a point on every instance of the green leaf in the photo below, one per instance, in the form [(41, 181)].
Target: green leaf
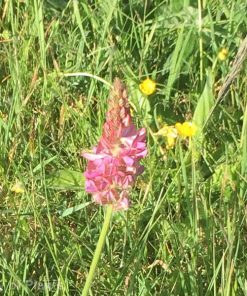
[(204, 106), (71, 210), (58, 4), (66, 180)]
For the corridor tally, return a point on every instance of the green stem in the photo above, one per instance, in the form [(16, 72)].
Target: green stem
[(98, 250)]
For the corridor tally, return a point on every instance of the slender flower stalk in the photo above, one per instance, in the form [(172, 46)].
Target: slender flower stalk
[(113, 164), (98, 250)]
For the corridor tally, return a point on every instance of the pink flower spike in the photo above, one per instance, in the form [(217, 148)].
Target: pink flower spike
[(113, 165)]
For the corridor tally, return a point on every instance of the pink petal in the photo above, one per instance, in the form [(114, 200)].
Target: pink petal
[(93, 156), (128, 160)]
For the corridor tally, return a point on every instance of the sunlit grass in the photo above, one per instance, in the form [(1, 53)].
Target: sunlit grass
[(185, 232)]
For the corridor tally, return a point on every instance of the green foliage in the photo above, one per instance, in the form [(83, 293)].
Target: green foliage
[(66, 179), (185, 232)]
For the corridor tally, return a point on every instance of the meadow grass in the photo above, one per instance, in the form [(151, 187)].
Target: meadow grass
[(186, 230)]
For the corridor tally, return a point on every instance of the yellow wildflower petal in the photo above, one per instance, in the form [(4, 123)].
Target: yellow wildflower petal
[(170, 133), (163, 131), (186, 129), (223, 53), (170, 142), (147, 87), (166, 131), (17, 188)]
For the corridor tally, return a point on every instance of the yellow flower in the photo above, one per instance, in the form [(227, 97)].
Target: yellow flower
[(223, 53), (147, 86), (170, 133), (18, 187), (186, 129)]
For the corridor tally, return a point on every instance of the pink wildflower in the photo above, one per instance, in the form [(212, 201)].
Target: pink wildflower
[(114, 163)]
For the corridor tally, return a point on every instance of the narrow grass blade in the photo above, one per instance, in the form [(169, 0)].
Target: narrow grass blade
[(74, 209), (177, 59)]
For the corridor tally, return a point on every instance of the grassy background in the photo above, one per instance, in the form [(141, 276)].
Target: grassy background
[(185, 233)]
